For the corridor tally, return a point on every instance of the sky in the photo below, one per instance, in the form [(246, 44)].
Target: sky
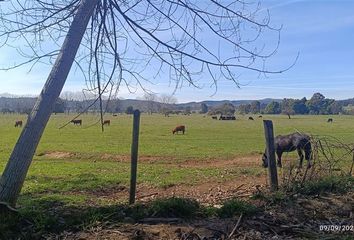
[(321, 32)]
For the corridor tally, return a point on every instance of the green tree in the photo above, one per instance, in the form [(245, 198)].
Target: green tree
[(273, 108), (129, 110), (300, 107), (204, 108), (335, 108), (287, 107)]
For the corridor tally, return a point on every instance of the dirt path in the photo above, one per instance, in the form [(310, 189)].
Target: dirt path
[(241, 161)]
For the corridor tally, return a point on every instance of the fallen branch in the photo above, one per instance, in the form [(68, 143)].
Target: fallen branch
[(236, 226)]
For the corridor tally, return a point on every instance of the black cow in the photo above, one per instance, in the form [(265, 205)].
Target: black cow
[(77, 122), (289, 143), (330, 120), (250, 118)]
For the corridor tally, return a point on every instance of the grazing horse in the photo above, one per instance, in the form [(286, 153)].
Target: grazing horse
[(289, 143), (330, 120), (107, 122), (77, 122), (180, 128), (18, 123), (250, 118)]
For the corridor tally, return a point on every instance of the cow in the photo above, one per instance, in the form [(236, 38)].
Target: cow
[(77, 122), (214, 117), (107, 122), (260, 116), (115, 115), (330, 120), (250, 118), (180, 128), (18, 123), (288, 143)]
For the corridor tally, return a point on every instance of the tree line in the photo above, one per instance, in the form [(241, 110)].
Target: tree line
[(318, 104)]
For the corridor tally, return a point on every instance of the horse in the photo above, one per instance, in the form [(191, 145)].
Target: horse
[(18, 123), (180, 128), (288, 143), (77, 122)]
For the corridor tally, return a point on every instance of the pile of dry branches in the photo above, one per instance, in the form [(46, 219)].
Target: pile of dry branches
[(330, 157)]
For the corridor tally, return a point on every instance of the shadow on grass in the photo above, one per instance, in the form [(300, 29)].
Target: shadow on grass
[(48, 216)]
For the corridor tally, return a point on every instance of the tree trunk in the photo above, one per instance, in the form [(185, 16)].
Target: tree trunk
[(17, 167)]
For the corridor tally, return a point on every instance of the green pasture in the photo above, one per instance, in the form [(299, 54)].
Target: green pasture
[(85, 169), (204, 138)]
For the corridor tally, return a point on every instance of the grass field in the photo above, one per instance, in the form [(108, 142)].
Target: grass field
[(75, 161)]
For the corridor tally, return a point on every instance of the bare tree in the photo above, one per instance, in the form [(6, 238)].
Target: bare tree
[(127, 43), (151, 99), (167, 102)]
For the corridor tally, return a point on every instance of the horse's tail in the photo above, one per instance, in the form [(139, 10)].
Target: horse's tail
[(308, 150)]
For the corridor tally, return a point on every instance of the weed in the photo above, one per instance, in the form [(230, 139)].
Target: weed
[(234, 207)]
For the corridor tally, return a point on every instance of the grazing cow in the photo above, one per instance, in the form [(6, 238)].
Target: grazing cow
[(77, 122), (180, 128), (330, 120), (115, 115), (107, 122), (250, 118), (18, 123), (289, 143), (214, 117), (260, 116)]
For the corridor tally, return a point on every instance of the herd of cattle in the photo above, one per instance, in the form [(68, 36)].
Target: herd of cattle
[(19, 123), (286, 143)]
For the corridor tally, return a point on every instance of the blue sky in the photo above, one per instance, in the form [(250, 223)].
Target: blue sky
[(322, 32)]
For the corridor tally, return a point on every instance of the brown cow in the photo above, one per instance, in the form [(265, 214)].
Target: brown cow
[(18, 123), (180, 128), (77, 122), (107, 122)]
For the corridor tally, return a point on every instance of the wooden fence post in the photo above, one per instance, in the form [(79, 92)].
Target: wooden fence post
[(134, 156), (270, 151)]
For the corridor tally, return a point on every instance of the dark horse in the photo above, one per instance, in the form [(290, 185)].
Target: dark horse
[(289, 143)]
